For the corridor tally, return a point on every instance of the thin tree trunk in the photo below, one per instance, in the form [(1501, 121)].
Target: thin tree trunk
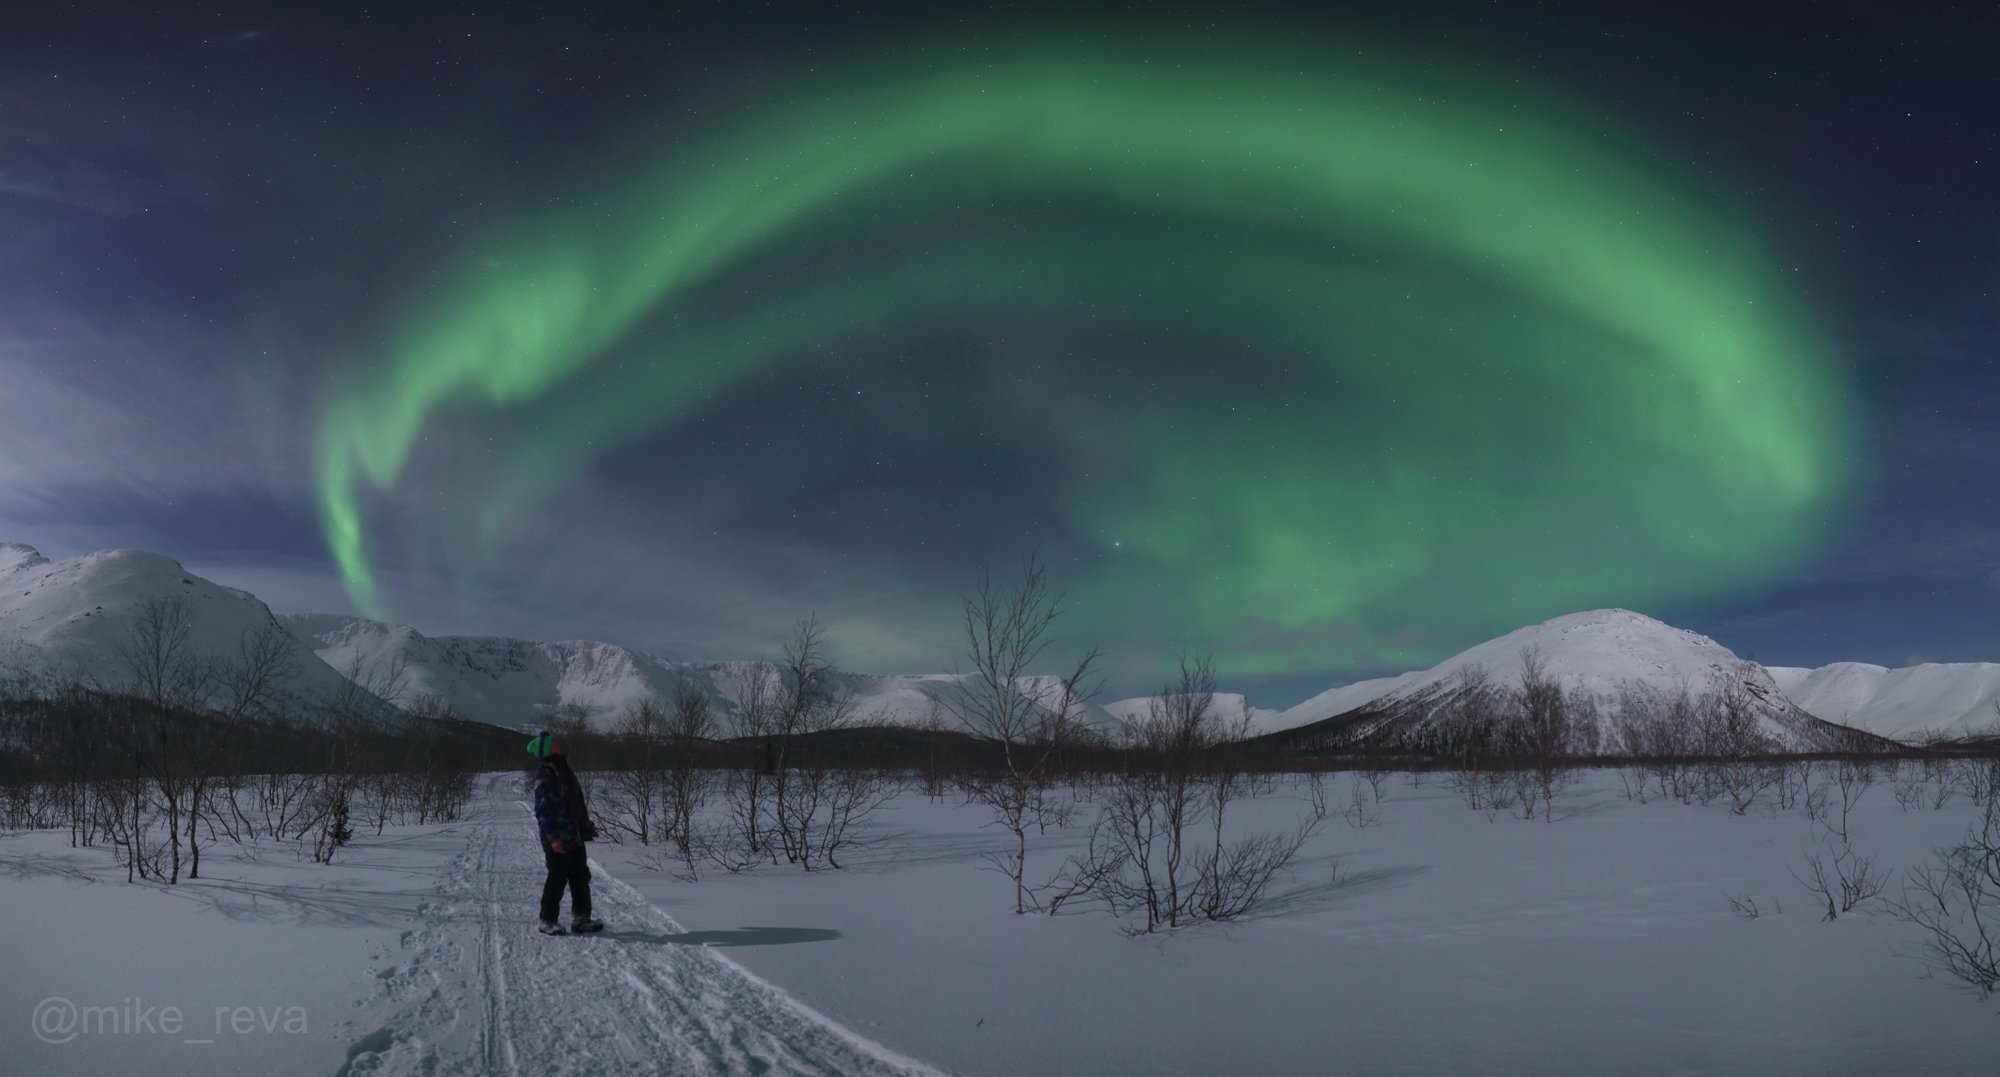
[(194, 847)]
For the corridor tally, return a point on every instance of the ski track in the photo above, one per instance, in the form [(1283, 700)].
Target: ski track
[(478, 990)]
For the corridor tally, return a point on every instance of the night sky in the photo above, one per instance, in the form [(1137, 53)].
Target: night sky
[(1329, 344)]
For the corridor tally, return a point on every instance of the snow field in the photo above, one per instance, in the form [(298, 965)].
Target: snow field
[(421, 961), (1435, 941)]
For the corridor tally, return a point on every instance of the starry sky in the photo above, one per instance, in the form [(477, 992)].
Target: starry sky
[(1327, 343)]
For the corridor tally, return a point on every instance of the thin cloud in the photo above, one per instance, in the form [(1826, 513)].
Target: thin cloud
[(85, 410), (44, 160)]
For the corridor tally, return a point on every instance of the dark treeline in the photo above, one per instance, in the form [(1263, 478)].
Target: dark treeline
[(160, 780), (86, 734)]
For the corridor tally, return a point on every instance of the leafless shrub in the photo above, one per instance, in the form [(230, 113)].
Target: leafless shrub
[(1359, 812), (331, 830), (1632, 780), (743, 798), (747, 791), (1147, 858), (1471, 721), (1817, 803), (1840, 881), (936, 774), (1051, 807), (1956, 901), (1793, 782), (808, 703), (1376, 773), (1092, 874), (1745, 906), (1851, 781), (1527, 793), (852, 794), (1859, 881), (285, 802), (630, 801), (690, 726), (1316, 792), (1466, 783), (1731, 737), (1978, 779), (1542, 727), (1500, 792), (1239, 873), (1909, 787), (794, 796)]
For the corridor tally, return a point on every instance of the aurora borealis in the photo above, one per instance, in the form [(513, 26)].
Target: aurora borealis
[(1321, 348), (1643, 387)]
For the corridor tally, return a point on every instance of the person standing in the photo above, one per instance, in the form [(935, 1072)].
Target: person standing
[(564, 821)]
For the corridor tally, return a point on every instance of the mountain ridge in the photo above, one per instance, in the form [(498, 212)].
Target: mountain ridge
[(64, 618), (73, 619), (1601, 658)]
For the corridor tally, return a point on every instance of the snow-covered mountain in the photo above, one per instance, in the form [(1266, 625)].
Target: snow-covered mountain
[(516, 682), (1336, 701), (1598, 652), (1953, 699), (73, 619), (493, 679), (1230, 705)]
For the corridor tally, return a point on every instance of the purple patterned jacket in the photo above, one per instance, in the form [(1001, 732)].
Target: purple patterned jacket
[(559, 808)]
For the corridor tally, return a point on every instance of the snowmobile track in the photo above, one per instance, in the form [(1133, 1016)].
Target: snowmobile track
[(498, 997)]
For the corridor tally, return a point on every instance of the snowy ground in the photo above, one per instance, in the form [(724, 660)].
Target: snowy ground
[(416, 954), (1447, 943)]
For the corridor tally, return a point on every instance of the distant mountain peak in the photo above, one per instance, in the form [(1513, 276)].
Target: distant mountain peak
[(68, 618), (1602, 654), (73, 620), (15, 556)]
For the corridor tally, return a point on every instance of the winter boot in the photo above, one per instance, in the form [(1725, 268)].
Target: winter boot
[(583, 925), (550, 927)]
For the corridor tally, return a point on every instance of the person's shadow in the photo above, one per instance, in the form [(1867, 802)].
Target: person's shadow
[(742, 936)]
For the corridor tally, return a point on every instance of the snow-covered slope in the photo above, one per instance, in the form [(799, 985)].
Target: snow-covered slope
[(73, 619), (1340, 700), (1787, 677), (488, 678), (1598, 652), (1229, 705), (517, 682), (1949, 699)]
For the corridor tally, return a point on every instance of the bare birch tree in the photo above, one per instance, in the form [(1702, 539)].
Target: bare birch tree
[(245, 684), (1542, 711), (1030, 726), (690, 727)]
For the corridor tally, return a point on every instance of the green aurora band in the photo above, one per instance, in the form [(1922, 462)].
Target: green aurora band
[(1616, 404)]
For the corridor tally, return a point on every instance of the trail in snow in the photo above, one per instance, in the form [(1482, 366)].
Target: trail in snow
[(480, 991)]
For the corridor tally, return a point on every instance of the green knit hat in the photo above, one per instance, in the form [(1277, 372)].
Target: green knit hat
[(539, 747)]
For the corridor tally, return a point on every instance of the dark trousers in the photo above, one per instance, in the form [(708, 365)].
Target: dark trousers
[(570, 867)]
